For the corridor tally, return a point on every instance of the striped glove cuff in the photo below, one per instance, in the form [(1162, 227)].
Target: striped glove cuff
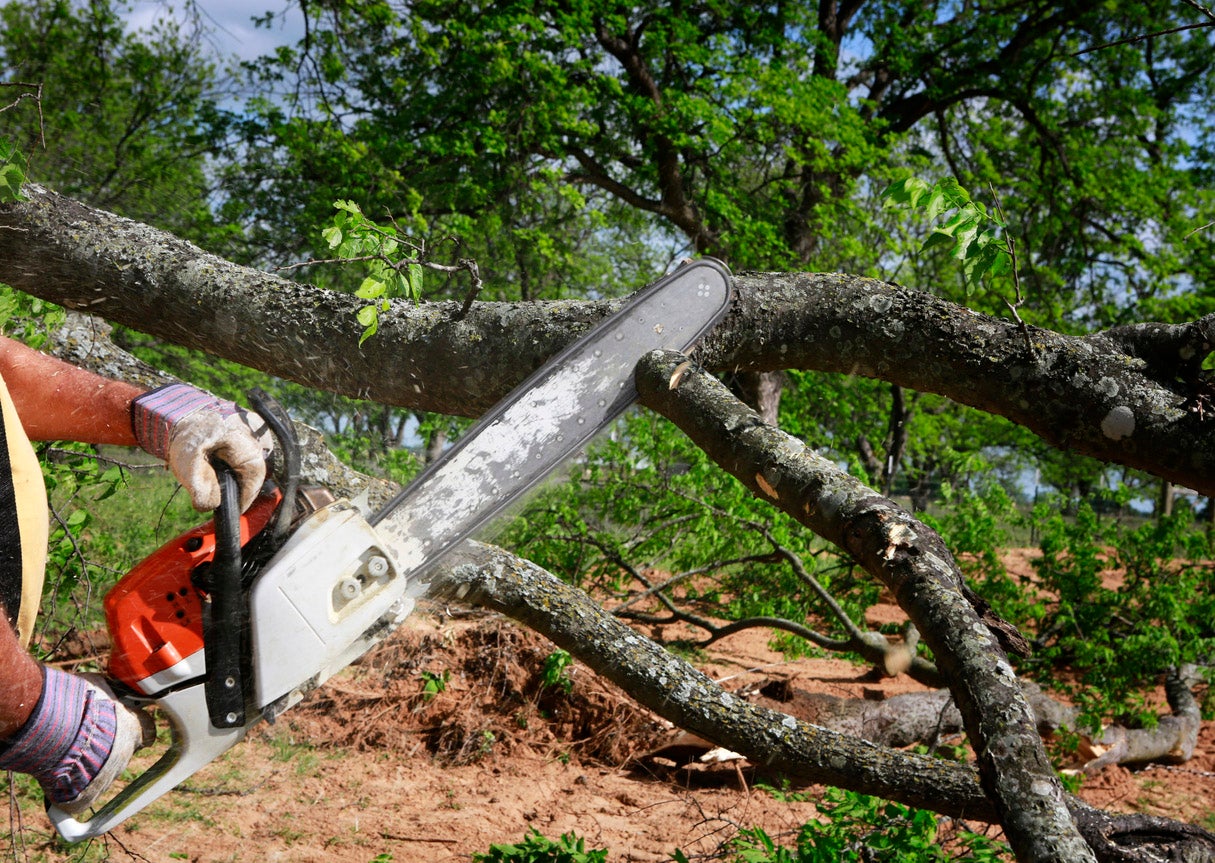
[(154, 414), (66, 740)]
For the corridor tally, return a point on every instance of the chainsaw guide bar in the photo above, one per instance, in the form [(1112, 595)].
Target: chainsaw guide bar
[(341, 582), (546, 419)]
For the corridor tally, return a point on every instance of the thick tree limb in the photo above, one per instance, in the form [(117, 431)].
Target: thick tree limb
[(496, 579), (913, 562), (1128, 397), (671, 688), (501, 581), (1125, 397)]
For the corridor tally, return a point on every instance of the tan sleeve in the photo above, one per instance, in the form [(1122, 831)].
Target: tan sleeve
[(23, 522)]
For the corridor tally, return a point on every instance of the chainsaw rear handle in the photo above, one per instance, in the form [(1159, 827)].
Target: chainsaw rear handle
[(195, 743)]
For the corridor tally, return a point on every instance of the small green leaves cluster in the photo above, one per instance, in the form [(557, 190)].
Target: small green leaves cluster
[(978, 236), (434, 682), (28, 318), (858, 827), (556, 671), (1119, 638), (12, 173), (354, 237), (538, 848)]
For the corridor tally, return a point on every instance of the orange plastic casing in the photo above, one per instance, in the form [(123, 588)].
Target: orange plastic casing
[(154, 613)]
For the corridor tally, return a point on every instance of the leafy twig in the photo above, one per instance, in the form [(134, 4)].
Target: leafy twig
[(358, 239), (979, 238)]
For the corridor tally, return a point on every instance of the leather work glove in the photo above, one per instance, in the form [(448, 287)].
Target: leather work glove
[(185, 427)]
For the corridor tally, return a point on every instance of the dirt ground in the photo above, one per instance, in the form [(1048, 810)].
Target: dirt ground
[(374, 768)]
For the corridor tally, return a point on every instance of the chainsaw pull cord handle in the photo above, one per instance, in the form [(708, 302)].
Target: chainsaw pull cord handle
[(224, 616)]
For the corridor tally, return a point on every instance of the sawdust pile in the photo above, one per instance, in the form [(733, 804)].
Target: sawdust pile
[(472, 690)]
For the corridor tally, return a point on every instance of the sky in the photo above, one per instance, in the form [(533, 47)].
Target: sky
[(230, 23)]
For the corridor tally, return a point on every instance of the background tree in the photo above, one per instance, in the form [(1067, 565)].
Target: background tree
[(759, 133), (128, 120)]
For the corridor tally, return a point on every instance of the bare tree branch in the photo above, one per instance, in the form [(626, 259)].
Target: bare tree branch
[(498, 580), (912, 561)]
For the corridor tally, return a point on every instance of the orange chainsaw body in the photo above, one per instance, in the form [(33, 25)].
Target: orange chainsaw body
[(155, 613)]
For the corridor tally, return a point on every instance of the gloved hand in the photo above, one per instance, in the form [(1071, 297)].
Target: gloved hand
[(185, 427), (77, 741)]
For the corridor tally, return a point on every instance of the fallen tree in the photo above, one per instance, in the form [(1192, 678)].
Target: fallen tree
[(1132, 396)]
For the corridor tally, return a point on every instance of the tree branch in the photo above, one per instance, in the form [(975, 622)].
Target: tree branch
[(1085, 394), (498, 580), (909, 559)]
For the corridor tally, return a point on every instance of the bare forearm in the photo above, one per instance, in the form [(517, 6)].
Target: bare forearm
[(22, 680), (58, 401)]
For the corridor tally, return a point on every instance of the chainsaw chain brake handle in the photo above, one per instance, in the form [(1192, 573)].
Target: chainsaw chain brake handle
[(225, 617)]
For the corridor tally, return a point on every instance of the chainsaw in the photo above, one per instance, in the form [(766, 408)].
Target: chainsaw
[(237, 620)]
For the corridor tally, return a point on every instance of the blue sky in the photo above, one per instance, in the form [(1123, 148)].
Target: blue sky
[(230, 23)]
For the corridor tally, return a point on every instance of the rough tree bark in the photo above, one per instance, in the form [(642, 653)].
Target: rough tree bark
[(913, 562), (1132, 396)]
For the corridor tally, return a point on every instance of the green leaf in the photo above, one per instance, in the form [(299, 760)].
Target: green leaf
[(907, 191), (958, 221), (938, 237), (1002, 263), (953, 192), (333, 236), (936, 205), (11, 179), (415, 282), (371, 288), (979, 264), (369, 317), (966, 233)]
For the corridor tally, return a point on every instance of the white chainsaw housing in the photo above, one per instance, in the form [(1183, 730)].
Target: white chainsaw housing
[(328, 595)]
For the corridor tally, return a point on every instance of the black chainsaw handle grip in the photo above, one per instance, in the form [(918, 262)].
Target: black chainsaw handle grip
[(224, 615)]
